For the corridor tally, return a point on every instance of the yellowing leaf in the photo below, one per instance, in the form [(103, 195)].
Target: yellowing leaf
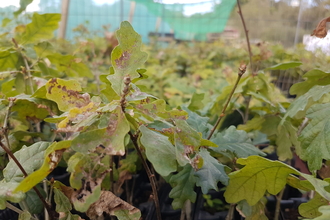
[(42, 27), (66, 93), (127, 57), (258, 176), (52, 157)]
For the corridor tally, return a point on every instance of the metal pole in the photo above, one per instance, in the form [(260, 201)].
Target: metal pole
[(298, 23), (131, 12), (64, 19), (121, 10)]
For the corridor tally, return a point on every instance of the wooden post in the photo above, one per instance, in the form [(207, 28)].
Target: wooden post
[(64, 19), (131, 11)]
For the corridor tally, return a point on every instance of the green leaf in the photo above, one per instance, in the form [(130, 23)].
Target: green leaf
[(62, 202), (325, 210), (235, 141), (44, 49), (156, 110), (25, 215), (7, 194), (315, 139), (127, 57), (8, 59), (34, 204), (198, 122), (313, 77), (286, 138), (159, 150), (41, 28), (71, 65), (5, 21), (299, 106), (256, 212), (31, 158), (211, 173), (66, 93), (123, 214), (285, 66), (23, 4), (137, 94), (183, 184), (310, 209), (52, 157), (196, 102), (258, 176)]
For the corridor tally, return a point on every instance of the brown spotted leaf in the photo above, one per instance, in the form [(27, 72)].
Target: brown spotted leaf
[(127, 57), (52, 157), (66, 93), (113, 205), (321, 28)]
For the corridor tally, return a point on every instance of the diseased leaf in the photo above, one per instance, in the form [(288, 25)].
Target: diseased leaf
[(315, 139), (113, 205), (52, 157), (321, 29), (258, 176), (211, 173), (127, 57), (284, 66), (187, 141), (235, 141), (112, 137), (183, 184), (42, 27), (159, 150), (31, 158), (66, 93)]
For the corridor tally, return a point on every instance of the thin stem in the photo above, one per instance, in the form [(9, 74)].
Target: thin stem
[(231, 210), (28, 70), (151, 176), (246, 34), (246, 113), (278, 204), (242, 70), (4, 132), (17, 210)]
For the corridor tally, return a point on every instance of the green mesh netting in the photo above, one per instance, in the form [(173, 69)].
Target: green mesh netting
[(195, 26)]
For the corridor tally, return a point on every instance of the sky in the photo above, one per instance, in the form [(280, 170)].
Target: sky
[(205, 7)]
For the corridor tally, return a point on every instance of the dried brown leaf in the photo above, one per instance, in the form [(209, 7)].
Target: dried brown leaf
[(321, 29), (109, 203)]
